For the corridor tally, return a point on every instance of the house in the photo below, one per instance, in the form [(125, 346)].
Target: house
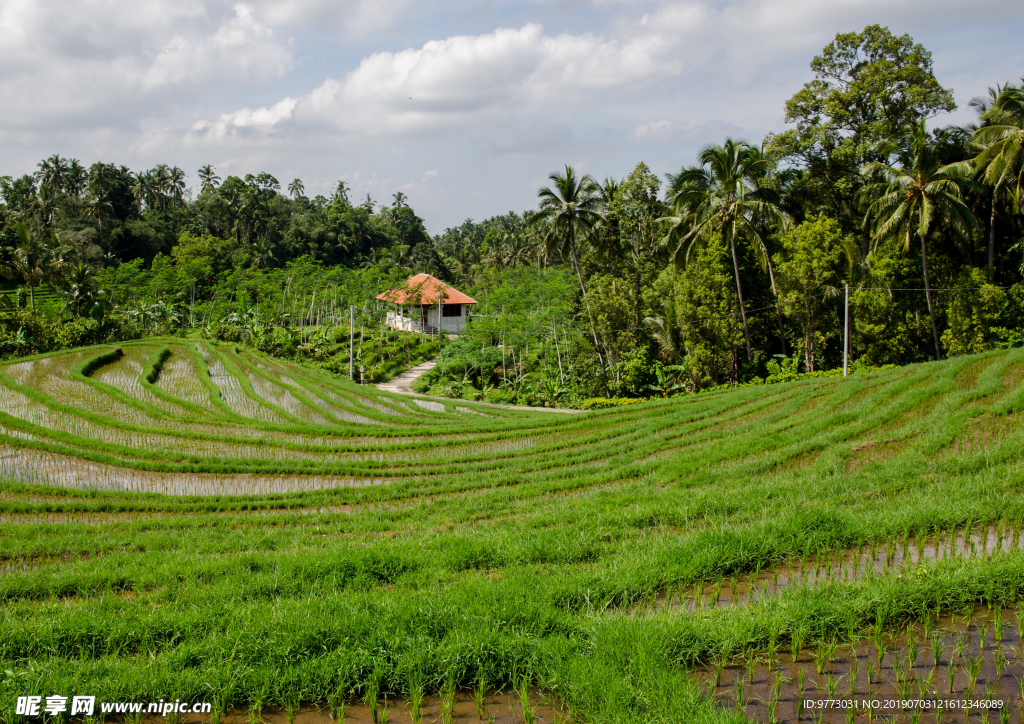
[(425, 304)]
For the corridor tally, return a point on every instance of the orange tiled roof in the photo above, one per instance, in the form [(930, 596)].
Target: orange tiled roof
[(424, 289)]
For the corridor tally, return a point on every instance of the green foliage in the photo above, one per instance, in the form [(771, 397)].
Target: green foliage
[(981, 316), (806, 274)]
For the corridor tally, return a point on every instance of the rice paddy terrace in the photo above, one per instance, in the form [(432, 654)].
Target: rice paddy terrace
[(182, 519)]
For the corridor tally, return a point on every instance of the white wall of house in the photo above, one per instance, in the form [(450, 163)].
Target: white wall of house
[(410, 322)]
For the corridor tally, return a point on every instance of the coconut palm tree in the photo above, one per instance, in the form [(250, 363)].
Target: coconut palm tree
[(722, 196), (916, 195), (80, 293), (176, 185), (572, 209), (36, 259), (208, 178), (1001, 161), (296, 189)]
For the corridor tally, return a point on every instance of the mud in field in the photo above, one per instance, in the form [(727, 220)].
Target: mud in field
[(941, 671), (850, 565), (501, 707), (24, 465)]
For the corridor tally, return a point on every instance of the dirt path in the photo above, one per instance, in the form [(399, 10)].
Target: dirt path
[(402, 385)]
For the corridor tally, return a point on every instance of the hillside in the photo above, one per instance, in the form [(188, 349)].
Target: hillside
[(192, 520)]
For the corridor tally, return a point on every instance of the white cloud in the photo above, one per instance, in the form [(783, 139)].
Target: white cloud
[(241, 47), (263, 119), (65, 65), (453, 82)]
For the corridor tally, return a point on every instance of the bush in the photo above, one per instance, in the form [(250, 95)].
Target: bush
[(603, 403)]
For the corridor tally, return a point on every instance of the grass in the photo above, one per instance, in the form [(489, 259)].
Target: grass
[(191, 520)]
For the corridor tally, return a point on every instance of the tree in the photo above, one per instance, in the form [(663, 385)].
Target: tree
[(80, 293), (1001, 161), (914, 196), (36, 259), (208, 178), (572, 209), (296, 189), (868, 88), (810, 254), (722, 196)]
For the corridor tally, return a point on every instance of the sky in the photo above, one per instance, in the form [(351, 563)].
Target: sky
[(465, 106)]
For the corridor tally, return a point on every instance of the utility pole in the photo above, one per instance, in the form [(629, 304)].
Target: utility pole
[(351, 339), (846, 334)]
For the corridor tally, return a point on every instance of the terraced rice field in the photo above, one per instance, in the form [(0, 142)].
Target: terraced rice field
[(182, 519)]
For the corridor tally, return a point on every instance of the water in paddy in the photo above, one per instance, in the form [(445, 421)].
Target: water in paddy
[(499, 707), (848, 565), (954, 664)]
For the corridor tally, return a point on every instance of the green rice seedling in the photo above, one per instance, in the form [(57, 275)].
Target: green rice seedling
[(738, 700), (820, 658), (832, 685), (997, 627), (950, 673), (448, 703), (338, 706), (529, 712), (871, 668), (851, 715), (385, 713), (797, 642), (370, 696), (291, 705), (479, 693), (912, 648), (972, 666), (415, 686), (1004, 714), (982, 635), (897, 668), (216, 707), (937, 648), (719, 667)]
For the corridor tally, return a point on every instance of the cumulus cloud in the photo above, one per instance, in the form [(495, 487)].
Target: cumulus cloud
[(65, 63), (454, 82)]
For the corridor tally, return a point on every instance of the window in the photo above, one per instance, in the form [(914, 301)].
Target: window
[(451, 310)]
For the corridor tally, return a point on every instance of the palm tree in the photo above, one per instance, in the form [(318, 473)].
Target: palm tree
[(208, 178), (53, 172), (77, 177), (80, 294), (911, 197), (1001, 161), (399, 199), (573, 210), (296, 189), (36, 259), (722, 196), (96, 206), (176, 185)]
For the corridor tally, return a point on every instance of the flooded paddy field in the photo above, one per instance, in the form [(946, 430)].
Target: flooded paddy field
[(965, 667)]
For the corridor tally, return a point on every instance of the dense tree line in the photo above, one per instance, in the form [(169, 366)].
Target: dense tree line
[(736, 266)]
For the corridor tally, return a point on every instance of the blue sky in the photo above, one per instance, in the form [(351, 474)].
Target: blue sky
[(465, 106)]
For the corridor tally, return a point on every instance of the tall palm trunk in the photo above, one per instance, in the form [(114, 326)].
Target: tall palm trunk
[(586, 302), (778, 313), (992, 239), (928, 296), (739, 290)]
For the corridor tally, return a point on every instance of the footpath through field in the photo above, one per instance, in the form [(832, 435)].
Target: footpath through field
[(402, 385)]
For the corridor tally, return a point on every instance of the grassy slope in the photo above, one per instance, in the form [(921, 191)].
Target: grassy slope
[(509, 563)]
